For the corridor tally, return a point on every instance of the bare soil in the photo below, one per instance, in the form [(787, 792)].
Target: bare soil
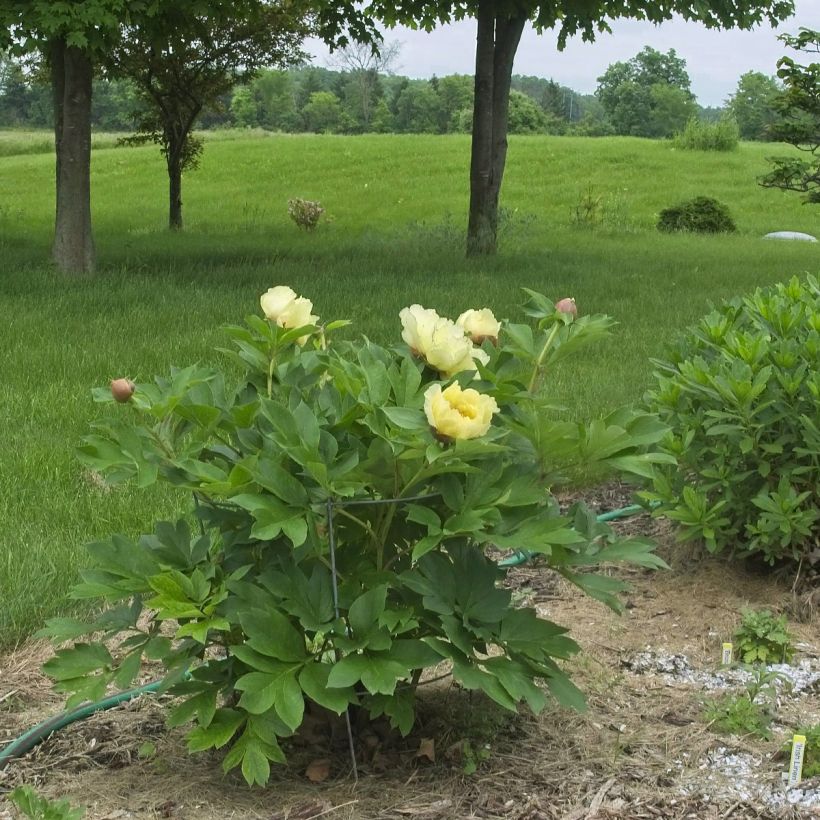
[(638, 752)]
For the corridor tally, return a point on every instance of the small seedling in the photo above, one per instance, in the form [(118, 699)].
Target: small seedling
[(147, 750), (473, 756), (749, 713), (36, 807), (737, 715), (763, 638)]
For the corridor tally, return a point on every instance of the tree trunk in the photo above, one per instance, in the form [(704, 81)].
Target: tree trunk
[(71, 71), (56, 58), (496, 43), (174, 162)]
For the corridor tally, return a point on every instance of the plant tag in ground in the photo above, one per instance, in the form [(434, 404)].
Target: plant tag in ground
[(726, 654), (795, 774)]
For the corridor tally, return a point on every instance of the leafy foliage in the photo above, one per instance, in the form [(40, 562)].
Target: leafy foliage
[(699, 215), (37, 807), (763, 638), (798, 123), (752, 105), (740, 393), (698, 135), (737, 715), (749, 713), (340, 550), (647, 96)]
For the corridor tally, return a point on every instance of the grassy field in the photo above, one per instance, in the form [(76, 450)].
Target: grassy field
[(397, 207)]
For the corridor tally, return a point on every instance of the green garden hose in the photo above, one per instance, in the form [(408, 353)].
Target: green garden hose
[(27, 741)]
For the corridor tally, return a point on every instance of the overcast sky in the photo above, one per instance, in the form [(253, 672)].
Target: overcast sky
[(715, 59)]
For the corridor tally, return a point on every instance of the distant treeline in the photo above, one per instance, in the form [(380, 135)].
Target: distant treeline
[(321, 100)]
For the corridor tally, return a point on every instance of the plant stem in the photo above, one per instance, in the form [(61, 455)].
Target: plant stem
[(541, 356), (270, 368), (363, 524)]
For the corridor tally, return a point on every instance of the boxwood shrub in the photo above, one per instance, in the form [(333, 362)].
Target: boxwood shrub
[(740, 392)]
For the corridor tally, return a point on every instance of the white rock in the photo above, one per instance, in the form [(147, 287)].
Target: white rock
[(800, 237)]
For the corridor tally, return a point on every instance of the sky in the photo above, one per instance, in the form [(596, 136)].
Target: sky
[(715, 59)]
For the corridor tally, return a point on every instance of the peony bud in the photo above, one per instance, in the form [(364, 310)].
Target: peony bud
[(567, 305), (122, 390)]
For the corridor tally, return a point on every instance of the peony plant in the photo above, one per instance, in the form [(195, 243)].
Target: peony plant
[(349, 501)]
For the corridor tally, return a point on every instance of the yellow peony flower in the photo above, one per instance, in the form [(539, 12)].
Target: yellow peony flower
[(480, 325), (458, 414), (438, 340), (417, 327), (283, 306), (448, 349)]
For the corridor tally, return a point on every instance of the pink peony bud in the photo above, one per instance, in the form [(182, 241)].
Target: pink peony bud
[(122, 390), (567, 305)]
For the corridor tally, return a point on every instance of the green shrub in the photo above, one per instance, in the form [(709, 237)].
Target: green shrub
[(763, 638), (345, 495), (740, 392), (697, 135), (305, 213), (699, 215)]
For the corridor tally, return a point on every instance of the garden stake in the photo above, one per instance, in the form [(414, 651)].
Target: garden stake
[(332, 544), (796, 761)]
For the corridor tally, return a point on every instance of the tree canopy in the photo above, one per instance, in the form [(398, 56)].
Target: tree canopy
[(184, 61), (798, 109), (752, 105), (649, 95)]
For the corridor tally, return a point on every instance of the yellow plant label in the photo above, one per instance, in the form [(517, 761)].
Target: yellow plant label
[(726, 655), (796, 762)]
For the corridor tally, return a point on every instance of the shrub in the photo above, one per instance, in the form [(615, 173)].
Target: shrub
[(697, 135), (740, 392), (345, 494), (763, 638), (305, 213), (699, 215)]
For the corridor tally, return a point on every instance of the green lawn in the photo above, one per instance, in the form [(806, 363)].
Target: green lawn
[(397, 207)]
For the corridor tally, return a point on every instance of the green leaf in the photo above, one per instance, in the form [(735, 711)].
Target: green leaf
[(255, 766), (221, 729), (279, 690), (77, 661), (364, 612), (406, 418), (128, 669), (272, 634), (378, 674), (566, 692), (314, 682), (202, 705)]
